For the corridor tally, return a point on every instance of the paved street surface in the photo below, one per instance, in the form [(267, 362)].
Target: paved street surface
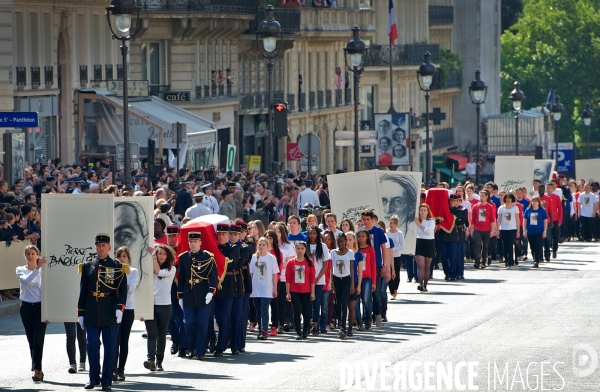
[(524, 323)]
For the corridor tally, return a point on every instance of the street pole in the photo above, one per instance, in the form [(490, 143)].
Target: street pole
[(391, 110), (356, 145), (427, 150), (269, 163), (517, 133), (587, 141), (478, 174), (178, 133), (556, 145), (127, 158)]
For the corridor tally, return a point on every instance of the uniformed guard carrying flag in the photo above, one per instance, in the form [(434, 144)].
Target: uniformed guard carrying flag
[(102, 297), (196, 286)]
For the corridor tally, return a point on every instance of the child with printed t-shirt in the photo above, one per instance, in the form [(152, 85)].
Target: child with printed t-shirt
[(300, 288), (264, 270)]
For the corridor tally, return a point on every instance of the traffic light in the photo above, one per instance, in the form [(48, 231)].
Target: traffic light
[(280, 125)]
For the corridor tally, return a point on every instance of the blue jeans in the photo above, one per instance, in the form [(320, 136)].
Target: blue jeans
[(109, 339), (411, 267), (324, 310), (366, 297), (380, 294), (316, 304), (262, 312)]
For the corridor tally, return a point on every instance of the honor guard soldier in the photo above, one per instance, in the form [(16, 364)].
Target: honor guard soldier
[(238, 302), (176, 326), (197, 283), (246, 251), (102, 297), (227, 292)]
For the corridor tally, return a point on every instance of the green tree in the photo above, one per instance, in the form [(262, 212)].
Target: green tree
[(511, 11), (558, 39)]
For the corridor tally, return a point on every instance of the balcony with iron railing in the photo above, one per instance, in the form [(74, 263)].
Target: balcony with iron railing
[(302, 102), (214, 92), (312, 100), (452, 80), (328, 98), (36, 77), (441, 15), (401, 55), (48, 76), (340, 19), (443, 138), (108, 71), (199, 6), (320, 99), (288, 18), (291, 100), (83, 75), (348, 96), (338, 97), (97, 75)]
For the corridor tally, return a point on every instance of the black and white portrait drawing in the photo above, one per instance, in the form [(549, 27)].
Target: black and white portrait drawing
[(542, 170), (299, 274)]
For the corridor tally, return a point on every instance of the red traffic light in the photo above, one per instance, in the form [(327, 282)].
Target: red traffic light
[(280, 107)]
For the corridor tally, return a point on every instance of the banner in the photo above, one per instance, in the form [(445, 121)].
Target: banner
[(542, 170), (12, 257), (230, 157), (351, 193), (587, 169), (565, 159), (511, 173), (293, 152), (69, 226), (393, 139), (134, 228)]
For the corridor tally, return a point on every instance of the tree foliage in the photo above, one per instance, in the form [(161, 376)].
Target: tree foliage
[(558, 39), (511, 11)]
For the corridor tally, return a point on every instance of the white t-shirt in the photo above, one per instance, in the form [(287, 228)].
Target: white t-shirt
[(289, 253), (132, 282), (509, 217), (162, 286), (587, 201), (398, 238), (319, 262), (336, 233), (262, 269), (467, 205), (341, 263), (30, 283)]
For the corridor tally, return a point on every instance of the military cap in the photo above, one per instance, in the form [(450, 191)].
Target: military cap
[(172, 229), (223, 228), (102, 237), (198, 195), (235, 229), (194, 235)]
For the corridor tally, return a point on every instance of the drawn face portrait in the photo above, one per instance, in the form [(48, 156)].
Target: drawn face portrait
[(299, 274), (542, 171), (508, 217), (132, 231)]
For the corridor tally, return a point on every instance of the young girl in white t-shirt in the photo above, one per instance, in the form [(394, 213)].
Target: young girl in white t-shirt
[(342, 260), (263, 269)]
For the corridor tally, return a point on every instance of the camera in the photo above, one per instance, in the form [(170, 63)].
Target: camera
[(308, 209), (2, 222)]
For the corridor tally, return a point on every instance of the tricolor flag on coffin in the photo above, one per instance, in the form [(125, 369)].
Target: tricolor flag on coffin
[(392, 31)]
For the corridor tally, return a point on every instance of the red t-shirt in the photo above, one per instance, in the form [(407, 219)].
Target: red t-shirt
[(370, 270), (557, 211), (161, 241), (547, 202), (300, 276), (483, 216)]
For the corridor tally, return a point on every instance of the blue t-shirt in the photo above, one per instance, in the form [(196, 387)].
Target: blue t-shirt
[(377, 238), (525, 203), (298, 237), (496, 200), (358, 257), (535, 220)]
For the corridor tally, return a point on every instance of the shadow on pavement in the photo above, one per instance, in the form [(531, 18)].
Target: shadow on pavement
[(437, 293), (470, 280), (257, 358)]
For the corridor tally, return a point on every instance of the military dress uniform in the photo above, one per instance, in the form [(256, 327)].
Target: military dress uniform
[(176, 325), (227, 292), (237, 311), (103, 291), (247, 249), (197, 277)]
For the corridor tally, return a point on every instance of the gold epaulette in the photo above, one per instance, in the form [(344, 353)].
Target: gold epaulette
[(222, 277), (211, 254), (125, 268), (80, 268)]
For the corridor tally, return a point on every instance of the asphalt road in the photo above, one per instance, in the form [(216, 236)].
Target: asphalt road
[(518, 329)]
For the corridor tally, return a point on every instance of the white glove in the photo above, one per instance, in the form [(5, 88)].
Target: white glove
[(119, 316), (181, 303), (208, 297), (80, 321)]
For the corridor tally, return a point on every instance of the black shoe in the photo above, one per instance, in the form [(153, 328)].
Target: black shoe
[(174, 349), (150, 365), (114, 376), (211, 346), (516, 262), (554, 254), (489, 261), (218, 353), (315, 331), (199, 358), (446, 278), (120, 375), (242, 350), (305, 335), (350, 334), (420, 288), (437, 266), (145, 335), (106, 388), (182, 353), (192, 354), (73, 369), (286, 328), (91, 384), (235, 352), (159, 367), (384, 319), (299, 337)]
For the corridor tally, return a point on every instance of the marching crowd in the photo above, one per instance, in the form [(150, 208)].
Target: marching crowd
[(275, 268)]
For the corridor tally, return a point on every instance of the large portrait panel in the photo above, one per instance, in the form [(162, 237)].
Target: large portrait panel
[(393, 139)]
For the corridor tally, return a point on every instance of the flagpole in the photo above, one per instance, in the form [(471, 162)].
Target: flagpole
[(391, 109)]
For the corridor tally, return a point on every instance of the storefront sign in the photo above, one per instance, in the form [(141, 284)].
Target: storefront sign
[(176, 96), (135, 88)]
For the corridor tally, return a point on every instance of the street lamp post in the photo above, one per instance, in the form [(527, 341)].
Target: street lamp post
[(517, 96), (478, 94), (426, 72), (357, 49), (557, 111), (269, 32), (587, 115), (124, 11)]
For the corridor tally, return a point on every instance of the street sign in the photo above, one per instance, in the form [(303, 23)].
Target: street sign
[(565, 158), (135, 165), (293, 152), (135, 88), (134, 151), (18, 119), (315, 144), (230, 157)]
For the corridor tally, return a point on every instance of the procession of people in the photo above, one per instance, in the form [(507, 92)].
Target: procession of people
[(284, 273)]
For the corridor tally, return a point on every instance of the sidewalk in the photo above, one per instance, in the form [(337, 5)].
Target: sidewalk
[(9, 306)]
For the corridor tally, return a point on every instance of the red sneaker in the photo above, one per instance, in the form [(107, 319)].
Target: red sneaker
[(273, 331)]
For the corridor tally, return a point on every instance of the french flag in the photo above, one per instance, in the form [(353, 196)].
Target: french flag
[(392, 31)]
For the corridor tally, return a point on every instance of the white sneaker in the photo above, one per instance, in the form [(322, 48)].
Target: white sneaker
[(81, 367)]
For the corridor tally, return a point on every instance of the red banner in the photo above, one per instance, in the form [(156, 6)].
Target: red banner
[(293, 152)]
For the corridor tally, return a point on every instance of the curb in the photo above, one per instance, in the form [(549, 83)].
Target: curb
[(9, 307)]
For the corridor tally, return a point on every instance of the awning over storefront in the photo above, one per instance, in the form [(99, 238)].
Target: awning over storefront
[(461, 161), (450, 174), (147, 119)]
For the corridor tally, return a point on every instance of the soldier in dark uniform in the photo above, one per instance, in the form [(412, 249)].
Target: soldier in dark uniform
[(183, 200), (196, 286), (176, 325), (247, 248), (227, 292), (238, 301), (102, 297)]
